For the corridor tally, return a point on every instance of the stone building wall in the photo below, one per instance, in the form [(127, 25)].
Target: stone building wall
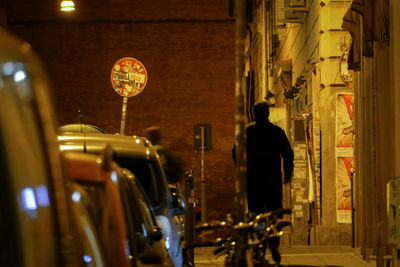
[(313, 48)]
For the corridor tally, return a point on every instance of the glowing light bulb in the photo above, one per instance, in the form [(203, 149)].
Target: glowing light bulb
[(67, 6)]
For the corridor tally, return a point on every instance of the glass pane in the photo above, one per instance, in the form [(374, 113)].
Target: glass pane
[(144, 171)]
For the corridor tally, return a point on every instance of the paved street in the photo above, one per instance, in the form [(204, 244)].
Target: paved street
[(299, 257)]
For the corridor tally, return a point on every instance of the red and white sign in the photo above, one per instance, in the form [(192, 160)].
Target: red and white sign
[(128, 77)]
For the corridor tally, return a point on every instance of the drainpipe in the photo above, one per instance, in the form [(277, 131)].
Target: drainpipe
[(240, 137), (395, 54), (395, 42), (240, 140)]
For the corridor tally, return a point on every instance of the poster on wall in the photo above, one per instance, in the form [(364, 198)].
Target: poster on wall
[(313, 183), (344, 155), (344, 167)]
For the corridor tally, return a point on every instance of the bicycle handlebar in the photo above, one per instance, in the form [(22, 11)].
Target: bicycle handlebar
[(201, 244), (220, 249), (242, 225), (207, 226), (282, 224), (272, 213)]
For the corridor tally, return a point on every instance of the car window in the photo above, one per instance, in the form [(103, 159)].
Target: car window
[(146, 172), (95, 202), (138, 208), (103, 212), (91, 250), (131, 218), (143, 206)]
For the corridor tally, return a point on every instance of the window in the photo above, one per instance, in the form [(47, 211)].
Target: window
[(146, 172)]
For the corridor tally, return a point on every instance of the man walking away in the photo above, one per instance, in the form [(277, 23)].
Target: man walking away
[(267, 145)]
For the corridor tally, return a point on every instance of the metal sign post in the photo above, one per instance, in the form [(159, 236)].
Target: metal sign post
[(202, 143), (123, 116), (128, 78), (190, 215), (203, 181)]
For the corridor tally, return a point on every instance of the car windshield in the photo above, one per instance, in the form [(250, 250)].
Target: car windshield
[(146, 172)]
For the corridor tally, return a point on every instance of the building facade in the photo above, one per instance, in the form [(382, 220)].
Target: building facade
[(333, 69)]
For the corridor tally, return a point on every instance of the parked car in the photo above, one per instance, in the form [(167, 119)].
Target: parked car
[(37, 223), (151, 243), (137, 155), (95, 193), (108, 197)]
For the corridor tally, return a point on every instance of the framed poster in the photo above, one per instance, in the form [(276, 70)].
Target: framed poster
[(344, 155)]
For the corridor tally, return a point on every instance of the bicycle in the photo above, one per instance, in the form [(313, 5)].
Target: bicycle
[(245, 243)]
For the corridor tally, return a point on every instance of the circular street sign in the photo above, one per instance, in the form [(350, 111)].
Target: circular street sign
[(128, 77)]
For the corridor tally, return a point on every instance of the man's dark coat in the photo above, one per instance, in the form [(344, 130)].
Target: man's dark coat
[(266, 144)]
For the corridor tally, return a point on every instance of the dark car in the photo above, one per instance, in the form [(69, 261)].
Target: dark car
[(96, 197), (108, 197), (37, 222), (138, 156), (142, 225)]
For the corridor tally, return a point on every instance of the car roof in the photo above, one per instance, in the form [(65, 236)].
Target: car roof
[(80, 128), (122, 146)]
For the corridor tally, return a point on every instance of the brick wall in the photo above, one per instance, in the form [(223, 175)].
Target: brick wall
[(188, 51)]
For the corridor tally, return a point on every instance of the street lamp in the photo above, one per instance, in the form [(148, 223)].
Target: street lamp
[(67, 6)]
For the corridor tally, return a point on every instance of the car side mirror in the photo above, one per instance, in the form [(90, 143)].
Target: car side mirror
[(156, 234), (179, 205)]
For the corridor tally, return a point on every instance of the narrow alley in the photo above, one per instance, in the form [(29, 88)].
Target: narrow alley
[(300, 256), (237, 108)]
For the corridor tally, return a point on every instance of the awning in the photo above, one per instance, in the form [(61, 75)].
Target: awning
[(360, 15), (372, 17)]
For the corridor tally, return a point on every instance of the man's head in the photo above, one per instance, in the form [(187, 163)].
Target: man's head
[(261, 111)]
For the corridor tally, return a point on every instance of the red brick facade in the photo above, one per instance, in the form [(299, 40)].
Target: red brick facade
[(188, 50)]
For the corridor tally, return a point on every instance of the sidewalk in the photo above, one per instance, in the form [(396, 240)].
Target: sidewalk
[(301, 256)]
